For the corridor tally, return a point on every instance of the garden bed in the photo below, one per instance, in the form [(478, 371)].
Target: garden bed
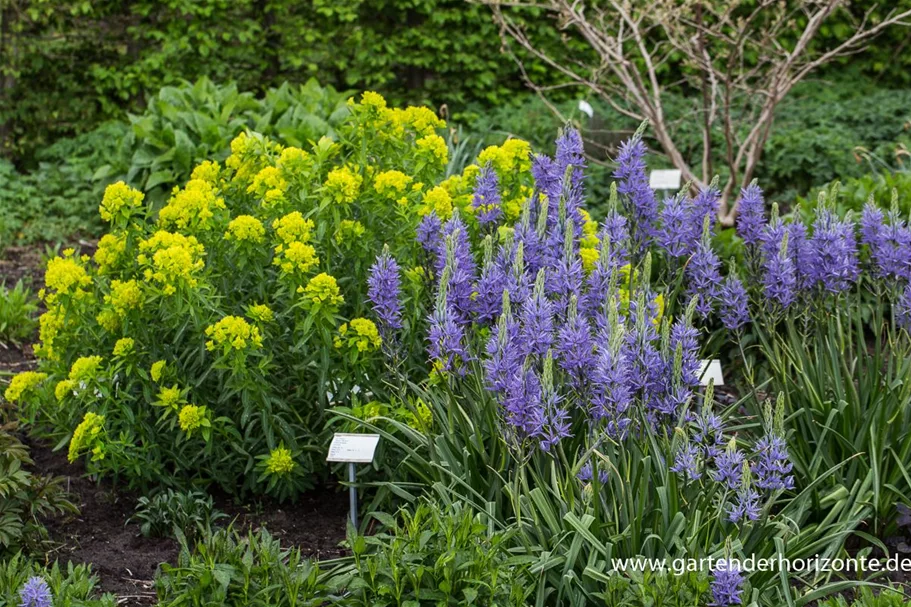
[(100, 535), (125, 561)]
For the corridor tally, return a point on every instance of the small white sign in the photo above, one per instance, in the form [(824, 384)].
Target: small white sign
[(586, 108), (710, 370), (664, 179), (353, 448)]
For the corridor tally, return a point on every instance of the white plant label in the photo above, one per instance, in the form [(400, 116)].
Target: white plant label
[(710, 370), (664, 179), (353, 448), (586, 108)]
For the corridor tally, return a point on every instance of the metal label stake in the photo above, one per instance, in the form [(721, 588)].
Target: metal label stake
[(353, 449)]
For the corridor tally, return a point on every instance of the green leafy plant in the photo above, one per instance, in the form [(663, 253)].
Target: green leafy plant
[(17, 310), (70, 586), (190, 513), (844, 371), (186, 124), (440, 554), (866, 597), (25, 498), (225, 568)]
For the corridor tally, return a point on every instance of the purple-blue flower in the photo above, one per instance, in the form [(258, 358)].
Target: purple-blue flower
[(729, 468), (383, 292), (890, 244), (705, 204), (488, 300), (486, 199), (523, 406), (633, 183), (751, 214), (829, 259), (576, 348), (772, 465), (903, 309), (733, 304), (446, 336), (456, 255), (704, 276), (685, 337), (612, 391), (547, 175), (556, 421), (686, 462), (615, 231), (675, 234), (727, 582), (428, 232), (709, 435), (586, 475), (35, 593), (779, 278), (537, 321), (745, 506)]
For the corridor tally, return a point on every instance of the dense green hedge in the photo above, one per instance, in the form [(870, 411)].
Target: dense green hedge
[(66, 66)]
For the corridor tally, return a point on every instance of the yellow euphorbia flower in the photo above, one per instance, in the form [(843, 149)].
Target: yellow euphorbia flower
[(23, 383), (245, 228), (85, 435), (119, 201), (233, 332)]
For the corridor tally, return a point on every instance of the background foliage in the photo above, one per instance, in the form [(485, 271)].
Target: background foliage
[(67, 66)]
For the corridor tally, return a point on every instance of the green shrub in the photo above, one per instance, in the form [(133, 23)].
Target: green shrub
[(17, 310), (854, 193), (204, 341), (70, 586), (250, 571), (188, 513)]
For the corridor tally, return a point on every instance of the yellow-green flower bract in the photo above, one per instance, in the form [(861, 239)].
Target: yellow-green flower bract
[(85, 435), (119, 200), (280, 462), (322, 289), (85, 368), (246, 228), (124, 346), (343, 185), (22, 383), (233, 332), (191, 417), (360, 333)]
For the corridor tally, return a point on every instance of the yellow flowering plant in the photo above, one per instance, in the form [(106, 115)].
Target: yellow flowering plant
[(215, 329)]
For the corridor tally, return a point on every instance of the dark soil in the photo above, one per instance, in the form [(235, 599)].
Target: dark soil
[(126, 562), (22, 263)]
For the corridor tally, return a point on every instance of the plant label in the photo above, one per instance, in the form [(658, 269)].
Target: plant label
[(353, 448), (710, 370), (665, 179)]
